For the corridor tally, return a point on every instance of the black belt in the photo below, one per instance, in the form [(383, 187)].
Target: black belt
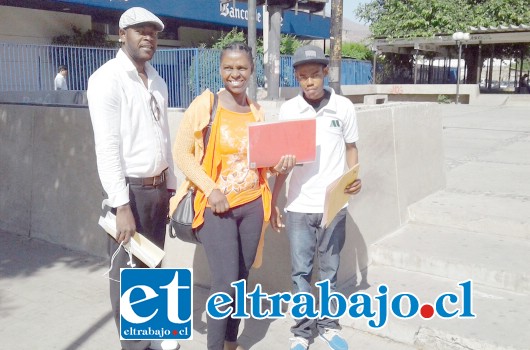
[(148, 181)]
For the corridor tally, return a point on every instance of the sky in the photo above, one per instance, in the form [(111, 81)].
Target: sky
[(348, 7)]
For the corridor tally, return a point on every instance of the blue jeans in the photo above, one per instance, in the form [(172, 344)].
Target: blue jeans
[(307, 238)]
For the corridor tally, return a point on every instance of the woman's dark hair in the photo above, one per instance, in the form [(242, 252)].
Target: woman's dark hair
[(239, 46)]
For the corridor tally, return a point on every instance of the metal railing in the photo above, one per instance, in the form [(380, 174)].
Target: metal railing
[(187, 72)]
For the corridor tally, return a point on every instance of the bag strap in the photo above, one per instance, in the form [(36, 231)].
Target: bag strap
[(207, 130)]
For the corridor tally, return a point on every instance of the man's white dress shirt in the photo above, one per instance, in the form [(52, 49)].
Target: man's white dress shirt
[(129, 141)]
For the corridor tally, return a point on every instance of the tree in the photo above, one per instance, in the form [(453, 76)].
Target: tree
[(420, 18), (288, 43), (501, 12), (357, 51), (231, 36), (413, 18), (80, 38)]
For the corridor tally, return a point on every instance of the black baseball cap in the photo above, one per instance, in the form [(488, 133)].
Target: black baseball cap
[(309, 54)]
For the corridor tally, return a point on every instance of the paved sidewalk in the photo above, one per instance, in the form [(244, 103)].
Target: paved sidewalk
[(54, 298)]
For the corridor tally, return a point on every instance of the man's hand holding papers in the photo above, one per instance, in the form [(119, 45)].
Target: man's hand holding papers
[(338, 194)]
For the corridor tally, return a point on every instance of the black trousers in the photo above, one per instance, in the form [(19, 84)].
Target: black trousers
[(150, 208), (230, 241)]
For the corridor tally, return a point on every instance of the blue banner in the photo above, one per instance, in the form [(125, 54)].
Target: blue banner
[(213, 12)]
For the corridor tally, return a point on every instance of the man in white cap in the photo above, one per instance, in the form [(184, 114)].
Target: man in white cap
[(335, 139), (128, 107)]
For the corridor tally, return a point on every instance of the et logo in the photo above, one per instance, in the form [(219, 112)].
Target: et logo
[(156, 304)]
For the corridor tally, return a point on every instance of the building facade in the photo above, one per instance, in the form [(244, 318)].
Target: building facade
[(188, 24)]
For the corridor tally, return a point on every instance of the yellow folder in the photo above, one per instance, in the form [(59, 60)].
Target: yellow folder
[(335, 196)]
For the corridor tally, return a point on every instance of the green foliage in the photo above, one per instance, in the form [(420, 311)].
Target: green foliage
[(357, 51), (230, 37), (420, 18), (80, 38), (501, 12), (443, 99), (288, 43), (413, 18)]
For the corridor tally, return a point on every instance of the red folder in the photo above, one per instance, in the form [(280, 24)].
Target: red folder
[(269, 141)]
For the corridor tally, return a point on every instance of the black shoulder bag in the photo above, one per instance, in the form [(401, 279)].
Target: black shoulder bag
[(183, 215)]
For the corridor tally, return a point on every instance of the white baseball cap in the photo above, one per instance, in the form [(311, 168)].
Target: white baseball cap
[(138, 15)]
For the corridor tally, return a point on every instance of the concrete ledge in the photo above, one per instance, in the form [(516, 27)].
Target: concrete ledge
[(375, 99), (413, 92), (46, 98), (403, 92), (51, 189), (518, 100)]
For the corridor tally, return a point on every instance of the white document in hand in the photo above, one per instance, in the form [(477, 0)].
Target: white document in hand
[(139, 245)]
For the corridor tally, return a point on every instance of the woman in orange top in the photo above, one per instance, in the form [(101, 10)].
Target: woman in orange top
[(232, 201)]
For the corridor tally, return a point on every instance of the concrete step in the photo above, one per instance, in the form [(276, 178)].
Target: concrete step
[(501, 321), (500, 262), (518, 100), (490, 100), (479, 212), (501, 179)]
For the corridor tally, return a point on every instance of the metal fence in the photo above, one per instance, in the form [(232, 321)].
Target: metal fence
[(187, 71)]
